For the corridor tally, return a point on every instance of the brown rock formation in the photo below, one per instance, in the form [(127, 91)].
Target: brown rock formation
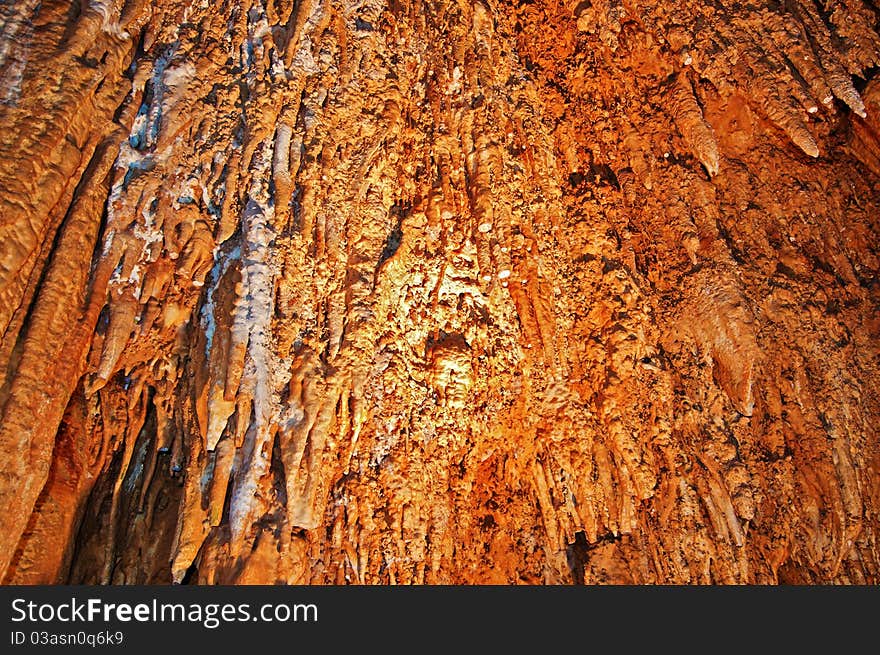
[(439, 292)]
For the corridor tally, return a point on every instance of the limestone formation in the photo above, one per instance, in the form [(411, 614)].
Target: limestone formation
[(356, 291)]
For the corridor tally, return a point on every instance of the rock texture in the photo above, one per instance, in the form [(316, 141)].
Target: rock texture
[(462, 291)]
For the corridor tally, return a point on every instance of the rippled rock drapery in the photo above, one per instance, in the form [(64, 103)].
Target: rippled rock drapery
[(450, 292)]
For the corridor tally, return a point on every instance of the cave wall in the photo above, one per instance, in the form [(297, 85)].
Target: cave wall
[(439, 292)]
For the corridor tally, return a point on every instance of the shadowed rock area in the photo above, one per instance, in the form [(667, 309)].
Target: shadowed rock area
[(469, 291)]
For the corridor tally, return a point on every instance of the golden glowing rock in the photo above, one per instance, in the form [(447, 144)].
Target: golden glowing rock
[(368, 292)]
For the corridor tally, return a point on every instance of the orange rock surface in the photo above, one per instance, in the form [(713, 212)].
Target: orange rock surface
[(439, 292)]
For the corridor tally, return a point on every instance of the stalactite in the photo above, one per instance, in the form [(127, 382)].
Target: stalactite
[(689, 120)]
